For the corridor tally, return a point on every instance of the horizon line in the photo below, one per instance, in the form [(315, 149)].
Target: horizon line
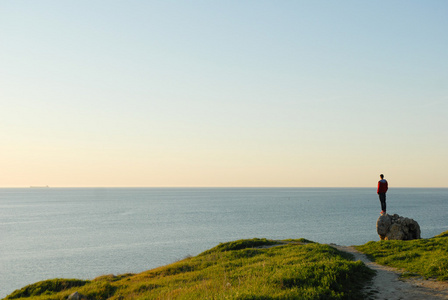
[(204, 187)]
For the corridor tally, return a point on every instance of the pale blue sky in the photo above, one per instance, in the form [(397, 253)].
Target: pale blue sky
[(223, 93)]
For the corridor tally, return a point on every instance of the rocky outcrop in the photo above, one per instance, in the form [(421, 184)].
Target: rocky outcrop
[(394, 227)]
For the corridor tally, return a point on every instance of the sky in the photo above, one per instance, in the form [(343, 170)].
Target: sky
[(223, 93)]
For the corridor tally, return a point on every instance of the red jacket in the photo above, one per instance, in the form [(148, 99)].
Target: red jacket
[(382, 186)]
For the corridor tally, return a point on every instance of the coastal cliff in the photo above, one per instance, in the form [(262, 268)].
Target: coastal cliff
[(258, 269)]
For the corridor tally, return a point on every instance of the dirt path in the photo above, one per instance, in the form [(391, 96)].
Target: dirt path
[(388, 286)]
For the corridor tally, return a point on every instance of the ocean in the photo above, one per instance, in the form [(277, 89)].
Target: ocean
[(87, 232)]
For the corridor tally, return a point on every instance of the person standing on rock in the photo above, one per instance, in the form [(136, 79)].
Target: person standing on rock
[(381, 191)]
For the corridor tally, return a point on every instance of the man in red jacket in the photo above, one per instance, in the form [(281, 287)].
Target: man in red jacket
[(381, 191)]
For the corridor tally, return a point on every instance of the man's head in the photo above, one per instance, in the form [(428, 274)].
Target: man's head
[(382, 176)]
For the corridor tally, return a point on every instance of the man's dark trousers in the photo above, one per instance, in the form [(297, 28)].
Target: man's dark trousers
[(383, 201)]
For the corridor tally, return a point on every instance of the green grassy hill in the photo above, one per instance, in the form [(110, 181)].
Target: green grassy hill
[(245, 269), (258, 269)]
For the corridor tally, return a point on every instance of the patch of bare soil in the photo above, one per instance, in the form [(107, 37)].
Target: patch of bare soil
[(388, 285)]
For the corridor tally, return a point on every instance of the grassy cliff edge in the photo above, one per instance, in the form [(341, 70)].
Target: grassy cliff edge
[(258, 269), (245, 269)]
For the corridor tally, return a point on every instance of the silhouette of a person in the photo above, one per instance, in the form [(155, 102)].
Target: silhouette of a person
[(381, 191)]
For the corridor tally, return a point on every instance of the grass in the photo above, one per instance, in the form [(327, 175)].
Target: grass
[(243, 270), (425, 257), (47, 287)]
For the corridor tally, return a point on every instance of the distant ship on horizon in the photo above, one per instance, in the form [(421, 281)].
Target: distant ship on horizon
[(39, 187)]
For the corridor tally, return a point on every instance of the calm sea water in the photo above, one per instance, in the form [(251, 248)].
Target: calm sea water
[(86, 232)]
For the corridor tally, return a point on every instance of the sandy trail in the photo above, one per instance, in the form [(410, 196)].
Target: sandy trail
[(387, 284)]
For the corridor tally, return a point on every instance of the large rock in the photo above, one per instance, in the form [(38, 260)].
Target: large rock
[(394, 227)]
